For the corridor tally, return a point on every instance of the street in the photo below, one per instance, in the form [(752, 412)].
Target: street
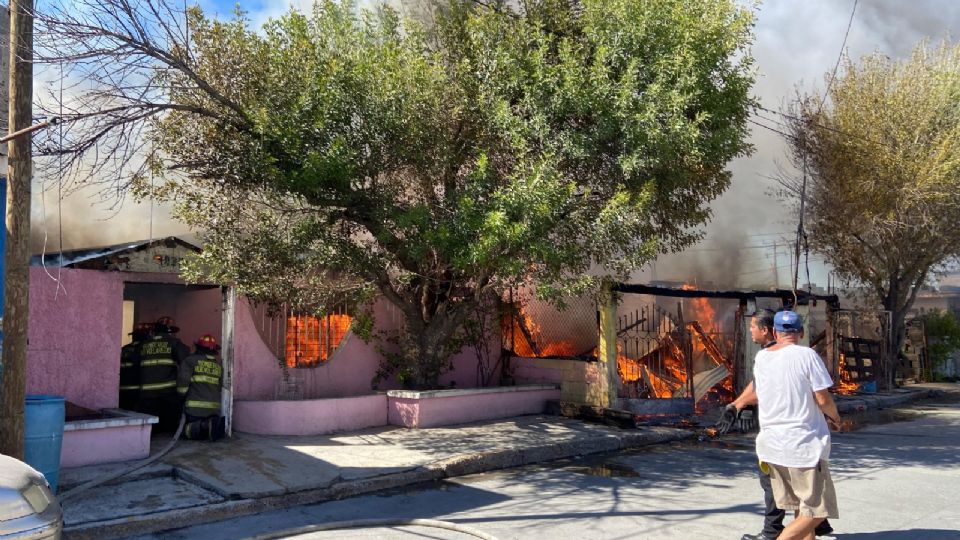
[(897, 478)]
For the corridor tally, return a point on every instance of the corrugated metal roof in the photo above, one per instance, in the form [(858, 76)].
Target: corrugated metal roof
[(71, 257)]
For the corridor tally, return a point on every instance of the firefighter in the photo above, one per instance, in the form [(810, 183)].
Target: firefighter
[(199, 383), (130, 366), (160, 356)]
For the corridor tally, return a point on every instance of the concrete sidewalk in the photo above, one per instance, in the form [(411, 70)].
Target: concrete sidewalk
[(202, 482)]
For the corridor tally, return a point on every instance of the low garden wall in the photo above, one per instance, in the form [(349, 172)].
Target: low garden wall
[(433, 408), (413, 409), (309, 416), (119, 436)]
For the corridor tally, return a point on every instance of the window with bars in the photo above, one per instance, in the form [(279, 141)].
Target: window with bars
[(310, 341)]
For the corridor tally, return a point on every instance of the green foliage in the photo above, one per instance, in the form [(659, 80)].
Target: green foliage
[(943, 336), (883, 153), (436, 163)]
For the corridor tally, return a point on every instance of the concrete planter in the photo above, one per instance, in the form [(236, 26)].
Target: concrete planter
[(434, 408), (310, 416), (119, 436)]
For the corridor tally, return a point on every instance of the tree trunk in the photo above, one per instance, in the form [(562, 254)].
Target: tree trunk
[(17, 251)]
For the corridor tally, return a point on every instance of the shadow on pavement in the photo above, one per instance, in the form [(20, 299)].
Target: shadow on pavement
[(912, 534)]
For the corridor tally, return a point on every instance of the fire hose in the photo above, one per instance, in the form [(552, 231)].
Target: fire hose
[(367, 523), (123, 472)]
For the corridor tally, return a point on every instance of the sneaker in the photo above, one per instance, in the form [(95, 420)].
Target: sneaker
[(758, 536)]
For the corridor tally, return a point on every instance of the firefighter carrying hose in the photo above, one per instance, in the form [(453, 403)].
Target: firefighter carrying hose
[(199, 383), (160, 356), (130, 366)]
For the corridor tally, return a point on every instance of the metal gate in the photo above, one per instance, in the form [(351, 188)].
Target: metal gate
[(858, 352), (654, 357)]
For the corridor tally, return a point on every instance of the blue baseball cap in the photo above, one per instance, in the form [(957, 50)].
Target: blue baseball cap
[(787, 321)]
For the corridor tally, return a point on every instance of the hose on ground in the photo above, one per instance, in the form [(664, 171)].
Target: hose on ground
[(367, 523), (112, 476)]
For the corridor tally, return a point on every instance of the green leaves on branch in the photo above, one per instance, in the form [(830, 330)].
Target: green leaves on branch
[(441, 160)]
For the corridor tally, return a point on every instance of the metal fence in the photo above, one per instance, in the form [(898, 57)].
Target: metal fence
[(653, 353), (298, 340), (535, 328), (859, 349)]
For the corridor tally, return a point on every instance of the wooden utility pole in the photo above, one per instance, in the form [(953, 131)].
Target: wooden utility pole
[(17, 248)]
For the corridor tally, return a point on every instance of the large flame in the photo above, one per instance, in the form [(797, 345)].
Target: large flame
[(311, 340), (663, 373), (528, 341)]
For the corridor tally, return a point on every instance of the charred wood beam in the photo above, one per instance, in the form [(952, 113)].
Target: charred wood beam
[(803, 297), (710, 346)]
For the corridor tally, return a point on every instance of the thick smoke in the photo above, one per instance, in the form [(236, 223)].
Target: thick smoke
[(797, 44)]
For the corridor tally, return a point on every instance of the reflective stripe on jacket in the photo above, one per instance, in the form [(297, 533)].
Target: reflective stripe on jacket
[(159, 356), (130, 368), (199, 380)]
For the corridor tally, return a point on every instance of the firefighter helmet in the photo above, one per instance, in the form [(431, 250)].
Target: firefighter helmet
[(207, 342), (142, 329), (166, 325)]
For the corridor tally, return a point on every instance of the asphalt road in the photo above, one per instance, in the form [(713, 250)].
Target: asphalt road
[(897, 478)]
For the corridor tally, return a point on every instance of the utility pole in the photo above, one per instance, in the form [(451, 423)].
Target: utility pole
[(16, 277), (776, 269)]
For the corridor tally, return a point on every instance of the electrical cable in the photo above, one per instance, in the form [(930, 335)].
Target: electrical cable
[(368, 523), (801, 234)]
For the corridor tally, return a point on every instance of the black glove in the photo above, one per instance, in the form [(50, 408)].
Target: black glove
[(748, 418), (727, 418)]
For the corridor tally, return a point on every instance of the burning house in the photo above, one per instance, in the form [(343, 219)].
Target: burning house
[(679, 349)]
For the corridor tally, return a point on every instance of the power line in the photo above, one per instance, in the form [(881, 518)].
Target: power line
[(801, 233)]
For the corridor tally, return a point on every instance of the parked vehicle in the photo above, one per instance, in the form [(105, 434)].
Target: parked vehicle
[(28, 509)]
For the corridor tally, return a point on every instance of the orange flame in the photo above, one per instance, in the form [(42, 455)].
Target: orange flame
[(846, 385), (527, 339), (311, 340)]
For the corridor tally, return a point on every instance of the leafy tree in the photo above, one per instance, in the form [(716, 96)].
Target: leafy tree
[(332, 157), (883, 158), (943, 336)]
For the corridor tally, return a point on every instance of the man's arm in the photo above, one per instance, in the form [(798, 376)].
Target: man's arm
[(747, 397), (828, 407)]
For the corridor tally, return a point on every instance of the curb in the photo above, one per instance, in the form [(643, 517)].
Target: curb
[(451, 467), (460, 465)]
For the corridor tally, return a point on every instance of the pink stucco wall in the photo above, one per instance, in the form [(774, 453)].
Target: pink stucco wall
[(434, 409), (107, 445), (74, 336), (349, 372), (310, 417)]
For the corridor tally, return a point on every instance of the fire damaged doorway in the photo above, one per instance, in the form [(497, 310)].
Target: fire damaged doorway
[(197, 310)]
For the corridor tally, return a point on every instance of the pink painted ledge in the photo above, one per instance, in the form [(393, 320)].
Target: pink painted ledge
[(119, 436), (433, 408), (309, 416)]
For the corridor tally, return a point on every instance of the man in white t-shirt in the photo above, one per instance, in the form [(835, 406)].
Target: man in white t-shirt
[(792, 384)]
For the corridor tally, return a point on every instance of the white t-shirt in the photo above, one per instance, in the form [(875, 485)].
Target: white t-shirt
[(793, 431)]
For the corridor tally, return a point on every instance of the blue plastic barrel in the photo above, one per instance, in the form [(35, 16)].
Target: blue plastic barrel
[(43, 435)]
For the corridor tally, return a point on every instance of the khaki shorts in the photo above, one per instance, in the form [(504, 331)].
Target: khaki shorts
[(808, 490)]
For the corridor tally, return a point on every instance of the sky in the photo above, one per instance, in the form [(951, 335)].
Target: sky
[(797, 44)]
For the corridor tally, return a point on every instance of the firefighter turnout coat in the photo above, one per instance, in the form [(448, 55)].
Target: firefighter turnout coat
[(159, 357), (199, 382), (130, 375)]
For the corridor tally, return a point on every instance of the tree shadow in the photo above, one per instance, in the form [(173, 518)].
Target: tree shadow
[(911, 534)]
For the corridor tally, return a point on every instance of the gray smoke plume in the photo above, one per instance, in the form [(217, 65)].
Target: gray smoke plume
[(797, 45)]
